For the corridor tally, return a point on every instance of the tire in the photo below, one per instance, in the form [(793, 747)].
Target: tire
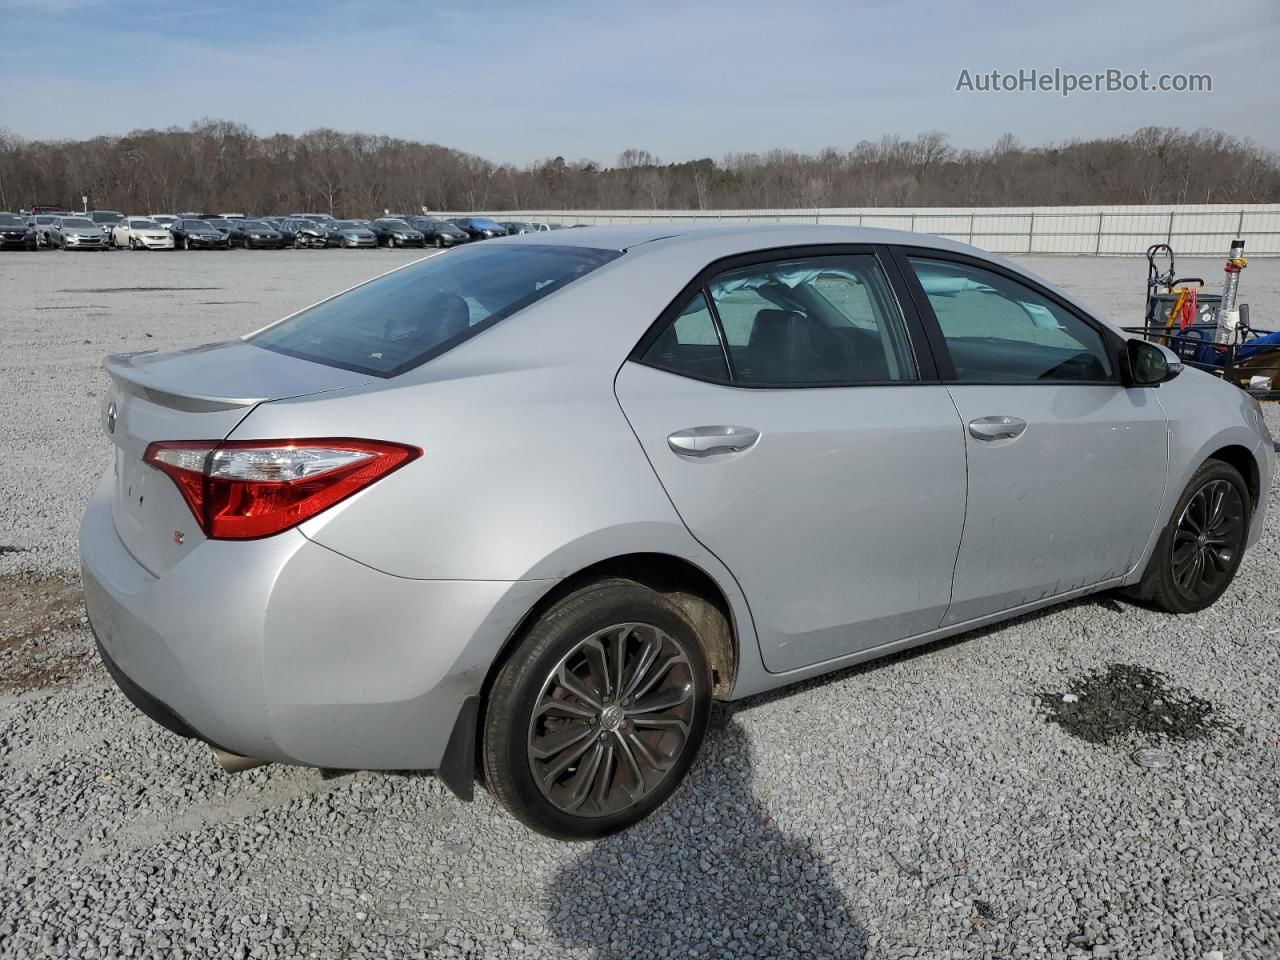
[(391, 242), (1200, 548), (186, 243), (133, 244), (439, 243), (602, 794)]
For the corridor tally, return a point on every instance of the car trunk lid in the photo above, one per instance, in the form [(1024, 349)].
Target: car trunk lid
[(197, 394)]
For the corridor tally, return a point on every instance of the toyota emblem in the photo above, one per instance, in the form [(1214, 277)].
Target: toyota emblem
[(111, 417)]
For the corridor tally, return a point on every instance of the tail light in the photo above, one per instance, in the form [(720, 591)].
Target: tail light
[(244, 489)]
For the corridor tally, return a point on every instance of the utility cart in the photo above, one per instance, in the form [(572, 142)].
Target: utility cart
[(1207, 330)]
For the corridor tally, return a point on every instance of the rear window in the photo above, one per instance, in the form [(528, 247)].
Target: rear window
[(399, 321)]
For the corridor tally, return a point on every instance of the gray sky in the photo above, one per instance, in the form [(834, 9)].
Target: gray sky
[(522, 81)]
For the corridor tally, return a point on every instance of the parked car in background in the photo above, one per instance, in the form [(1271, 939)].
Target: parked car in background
[(220, 224), (305, 233), (140, 233), (479, 228), (392, 232), (198, 235), (437, 232), (352, 233), (42, 223), (790, 450), (16, 233), (77, 233), (517, 227), (256, 235), (166, 220), (106, 219)]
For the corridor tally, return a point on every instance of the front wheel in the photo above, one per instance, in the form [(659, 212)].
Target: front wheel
[(439, 243), (598, 713), (1200, 549)]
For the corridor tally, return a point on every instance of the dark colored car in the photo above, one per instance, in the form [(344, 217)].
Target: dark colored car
[(222, 225), (255, 234), (438, 233), (16, 233), (394, 232), (305, 233), (517, 227), (106, 219), (480, 228), (197, 234)]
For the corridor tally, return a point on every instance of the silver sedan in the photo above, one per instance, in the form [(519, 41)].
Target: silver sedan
[(528, 508)]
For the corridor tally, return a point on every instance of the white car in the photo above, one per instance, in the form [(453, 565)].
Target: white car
[(139, 233)]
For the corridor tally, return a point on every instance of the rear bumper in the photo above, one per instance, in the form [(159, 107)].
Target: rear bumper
[(283, 650)]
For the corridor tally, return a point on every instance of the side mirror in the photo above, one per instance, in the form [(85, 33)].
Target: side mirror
[(1150, 364)]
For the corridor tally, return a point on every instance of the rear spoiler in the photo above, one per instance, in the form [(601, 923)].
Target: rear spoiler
[(134, 378)]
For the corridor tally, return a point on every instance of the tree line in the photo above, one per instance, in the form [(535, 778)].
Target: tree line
[(219, 165)]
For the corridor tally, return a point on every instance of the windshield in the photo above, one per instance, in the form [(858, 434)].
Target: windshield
[(404, 319), (349, 225), (196, 225), (143, 225), (77, 222), (486, 224), (9, 220), (105, 216), (396, 224), (254, 225)]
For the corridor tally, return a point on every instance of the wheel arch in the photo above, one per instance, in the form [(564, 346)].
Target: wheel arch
[(1246, 463), (691, 588)]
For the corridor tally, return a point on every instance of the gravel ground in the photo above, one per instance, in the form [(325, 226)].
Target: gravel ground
[(945, 803)]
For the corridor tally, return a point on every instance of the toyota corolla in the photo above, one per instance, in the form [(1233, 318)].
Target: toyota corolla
[(523, 510)]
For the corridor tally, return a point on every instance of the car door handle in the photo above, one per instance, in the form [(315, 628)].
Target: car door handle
[(997, 428), (709, 441)]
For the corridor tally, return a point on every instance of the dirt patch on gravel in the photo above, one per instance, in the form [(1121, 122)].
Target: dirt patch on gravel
[(1122, 700), (37, 615)]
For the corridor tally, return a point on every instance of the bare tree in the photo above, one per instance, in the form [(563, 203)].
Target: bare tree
[(220, 165)]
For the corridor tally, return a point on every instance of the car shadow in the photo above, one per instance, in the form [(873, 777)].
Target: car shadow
[(709, 874)]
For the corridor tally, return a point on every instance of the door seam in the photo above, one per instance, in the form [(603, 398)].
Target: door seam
[(964, 519), (684, 523)]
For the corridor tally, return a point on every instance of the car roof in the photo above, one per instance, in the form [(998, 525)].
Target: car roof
[(718, 241)]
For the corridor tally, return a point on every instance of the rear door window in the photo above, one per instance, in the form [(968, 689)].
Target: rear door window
[(401, 320), (689, 345), (819, 320)]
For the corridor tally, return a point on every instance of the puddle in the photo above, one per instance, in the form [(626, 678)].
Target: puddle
[(1123, 700)]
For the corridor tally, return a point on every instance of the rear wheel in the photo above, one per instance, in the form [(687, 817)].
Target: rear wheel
[(598, 713), (1200, 549)]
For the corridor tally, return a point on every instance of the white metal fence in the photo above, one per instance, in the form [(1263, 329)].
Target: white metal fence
[(1192, 229)]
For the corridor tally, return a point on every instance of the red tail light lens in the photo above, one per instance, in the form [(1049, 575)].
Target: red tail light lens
[(245, 489)]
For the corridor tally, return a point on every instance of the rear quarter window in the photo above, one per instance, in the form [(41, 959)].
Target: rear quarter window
[(400, 321)]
